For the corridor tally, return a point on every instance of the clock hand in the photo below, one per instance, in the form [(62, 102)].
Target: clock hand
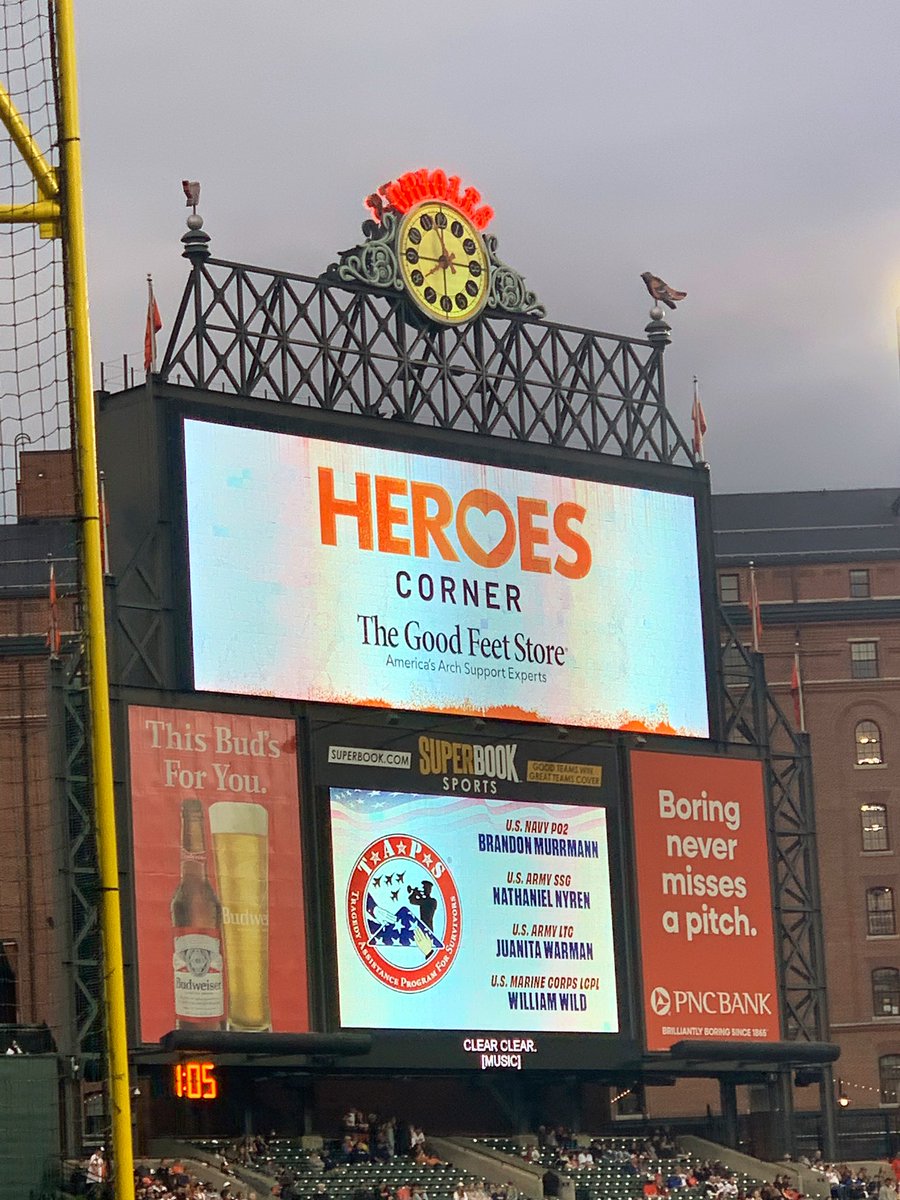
[(448, 258), (440, 234)]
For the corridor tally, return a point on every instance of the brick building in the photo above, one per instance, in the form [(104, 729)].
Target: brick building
[(827, 568), (34, 982)]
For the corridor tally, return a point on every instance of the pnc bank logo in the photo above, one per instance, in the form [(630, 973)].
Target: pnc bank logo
[(709, 1003), (660, 1002), (419, 518)]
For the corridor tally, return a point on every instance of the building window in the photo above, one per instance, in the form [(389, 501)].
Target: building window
[(859, 585), (9, 1002), (868, 744), (886, 992), (880, 912), (864, 660), (889, 1078), (874, 827), (730, 589)]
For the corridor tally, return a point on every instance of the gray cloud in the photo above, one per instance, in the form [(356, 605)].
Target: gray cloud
[(744, 153)]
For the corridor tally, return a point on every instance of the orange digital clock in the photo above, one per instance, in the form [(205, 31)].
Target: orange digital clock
[(195, 1080)]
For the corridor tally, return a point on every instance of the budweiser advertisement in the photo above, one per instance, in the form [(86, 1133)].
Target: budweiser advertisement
[(350, 574), (705, 900), (217, 872)]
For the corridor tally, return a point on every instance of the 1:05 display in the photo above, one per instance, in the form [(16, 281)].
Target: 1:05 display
[(195, 1080)]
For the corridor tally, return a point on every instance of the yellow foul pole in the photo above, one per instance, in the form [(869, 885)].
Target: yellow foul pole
[(92, 568)]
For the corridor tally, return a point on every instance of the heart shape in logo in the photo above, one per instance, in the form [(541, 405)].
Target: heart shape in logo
[(489, 545)]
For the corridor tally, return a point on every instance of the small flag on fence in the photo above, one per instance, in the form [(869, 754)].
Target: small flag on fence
[(154, 325), (54, 637), (755, 610), (698, 421), (797, 693)]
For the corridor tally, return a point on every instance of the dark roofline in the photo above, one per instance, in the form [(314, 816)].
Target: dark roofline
[(826, 525)]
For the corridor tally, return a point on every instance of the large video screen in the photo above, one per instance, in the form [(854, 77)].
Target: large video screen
[(455, 913), (217, 872), (705, 898), (334, 572)]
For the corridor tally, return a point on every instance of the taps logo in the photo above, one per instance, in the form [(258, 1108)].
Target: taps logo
[(661, 1002), (404, 914)]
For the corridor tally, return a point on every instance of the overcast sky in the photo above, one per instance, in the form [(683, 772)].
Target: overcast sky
[(746, 153)]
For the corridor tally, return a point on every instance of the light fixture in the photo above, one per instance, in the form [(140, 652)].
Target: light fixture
[(843, 1098)]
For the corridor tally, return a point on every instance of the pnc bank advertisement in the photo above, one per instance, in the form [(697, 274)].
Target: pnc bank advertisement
[(217, 872), (705, 899), (348, 574)]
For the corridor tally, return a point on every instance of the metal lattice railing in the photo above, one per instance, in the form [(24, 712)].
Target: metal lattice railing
[(753, 717), (300, 340)]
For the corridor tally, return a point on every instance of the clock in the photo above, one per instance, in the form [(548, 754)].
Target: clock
[(194, 1080), (443, 262)]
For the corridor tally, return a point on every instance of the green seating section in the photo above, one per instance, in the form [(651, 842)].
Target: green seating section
[(344, 1181), (608, 1179), (605, 1180)]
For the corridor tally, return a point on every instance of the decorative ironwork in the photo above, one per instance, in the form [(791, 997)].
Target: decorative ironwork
[(346, 347), (374, 262), (508, 291)]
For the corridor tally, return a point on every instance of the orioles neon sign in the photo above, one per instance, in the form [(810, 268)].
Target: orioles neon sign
[(413, 187)]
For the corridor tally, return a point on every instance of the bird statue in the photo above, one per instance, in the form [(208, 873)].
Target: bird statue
[(191, 189), (660, 290)]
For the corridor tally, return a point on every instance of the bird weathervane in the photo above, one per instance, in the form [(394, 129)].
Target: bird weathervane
[(661, 292)]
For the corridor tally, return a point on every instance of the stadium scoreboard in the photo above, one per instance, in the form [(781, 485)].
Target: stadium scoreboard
[(395, 777)]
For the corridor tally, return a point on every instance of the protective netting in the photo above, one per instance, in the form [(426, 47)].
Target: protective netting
[(34, 394), (50, 981)]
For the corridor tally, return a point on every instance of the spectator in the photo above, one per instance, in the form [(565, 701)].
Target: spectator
[(96, 1172), (551, 1183)]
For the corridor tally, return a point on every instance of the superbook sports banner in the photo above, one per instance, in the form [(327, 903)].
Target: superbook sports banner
[(462, 913), (349, 574)]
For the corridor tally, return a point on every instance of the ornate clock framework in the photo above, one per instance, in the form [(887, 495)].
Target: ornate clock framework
[(376, 262)]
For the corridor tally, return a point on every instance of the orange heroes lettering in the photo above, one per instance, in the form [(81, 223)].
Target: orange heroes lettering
[(410, 517)]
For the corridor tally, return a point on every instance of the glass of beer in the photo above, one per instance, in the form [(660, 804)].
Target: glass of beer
[(240, 835)]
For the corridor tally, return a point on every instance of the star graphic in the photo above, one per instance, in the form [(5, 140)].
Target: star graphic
[(376, 857), (401, 847), (427, 859)]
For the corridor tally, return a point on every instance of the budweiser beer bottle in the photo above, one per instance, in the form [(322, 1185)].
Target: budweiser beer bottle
[(197, 921)]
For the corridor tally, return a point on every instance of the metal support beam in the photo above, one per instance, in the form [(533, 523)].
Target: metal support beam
[(95, 623), (728, 1108), (44, 175)]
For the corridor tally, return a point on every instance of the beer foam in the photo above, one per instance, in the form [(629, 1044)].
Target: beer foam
[(233, 816)]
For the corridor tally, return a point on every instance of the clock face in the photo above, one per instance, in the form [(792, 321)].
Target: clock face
[(443, 262)]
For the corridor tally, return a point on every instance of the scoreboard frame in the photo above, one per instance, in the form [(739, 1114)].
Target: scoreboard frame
[(150, 500)]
